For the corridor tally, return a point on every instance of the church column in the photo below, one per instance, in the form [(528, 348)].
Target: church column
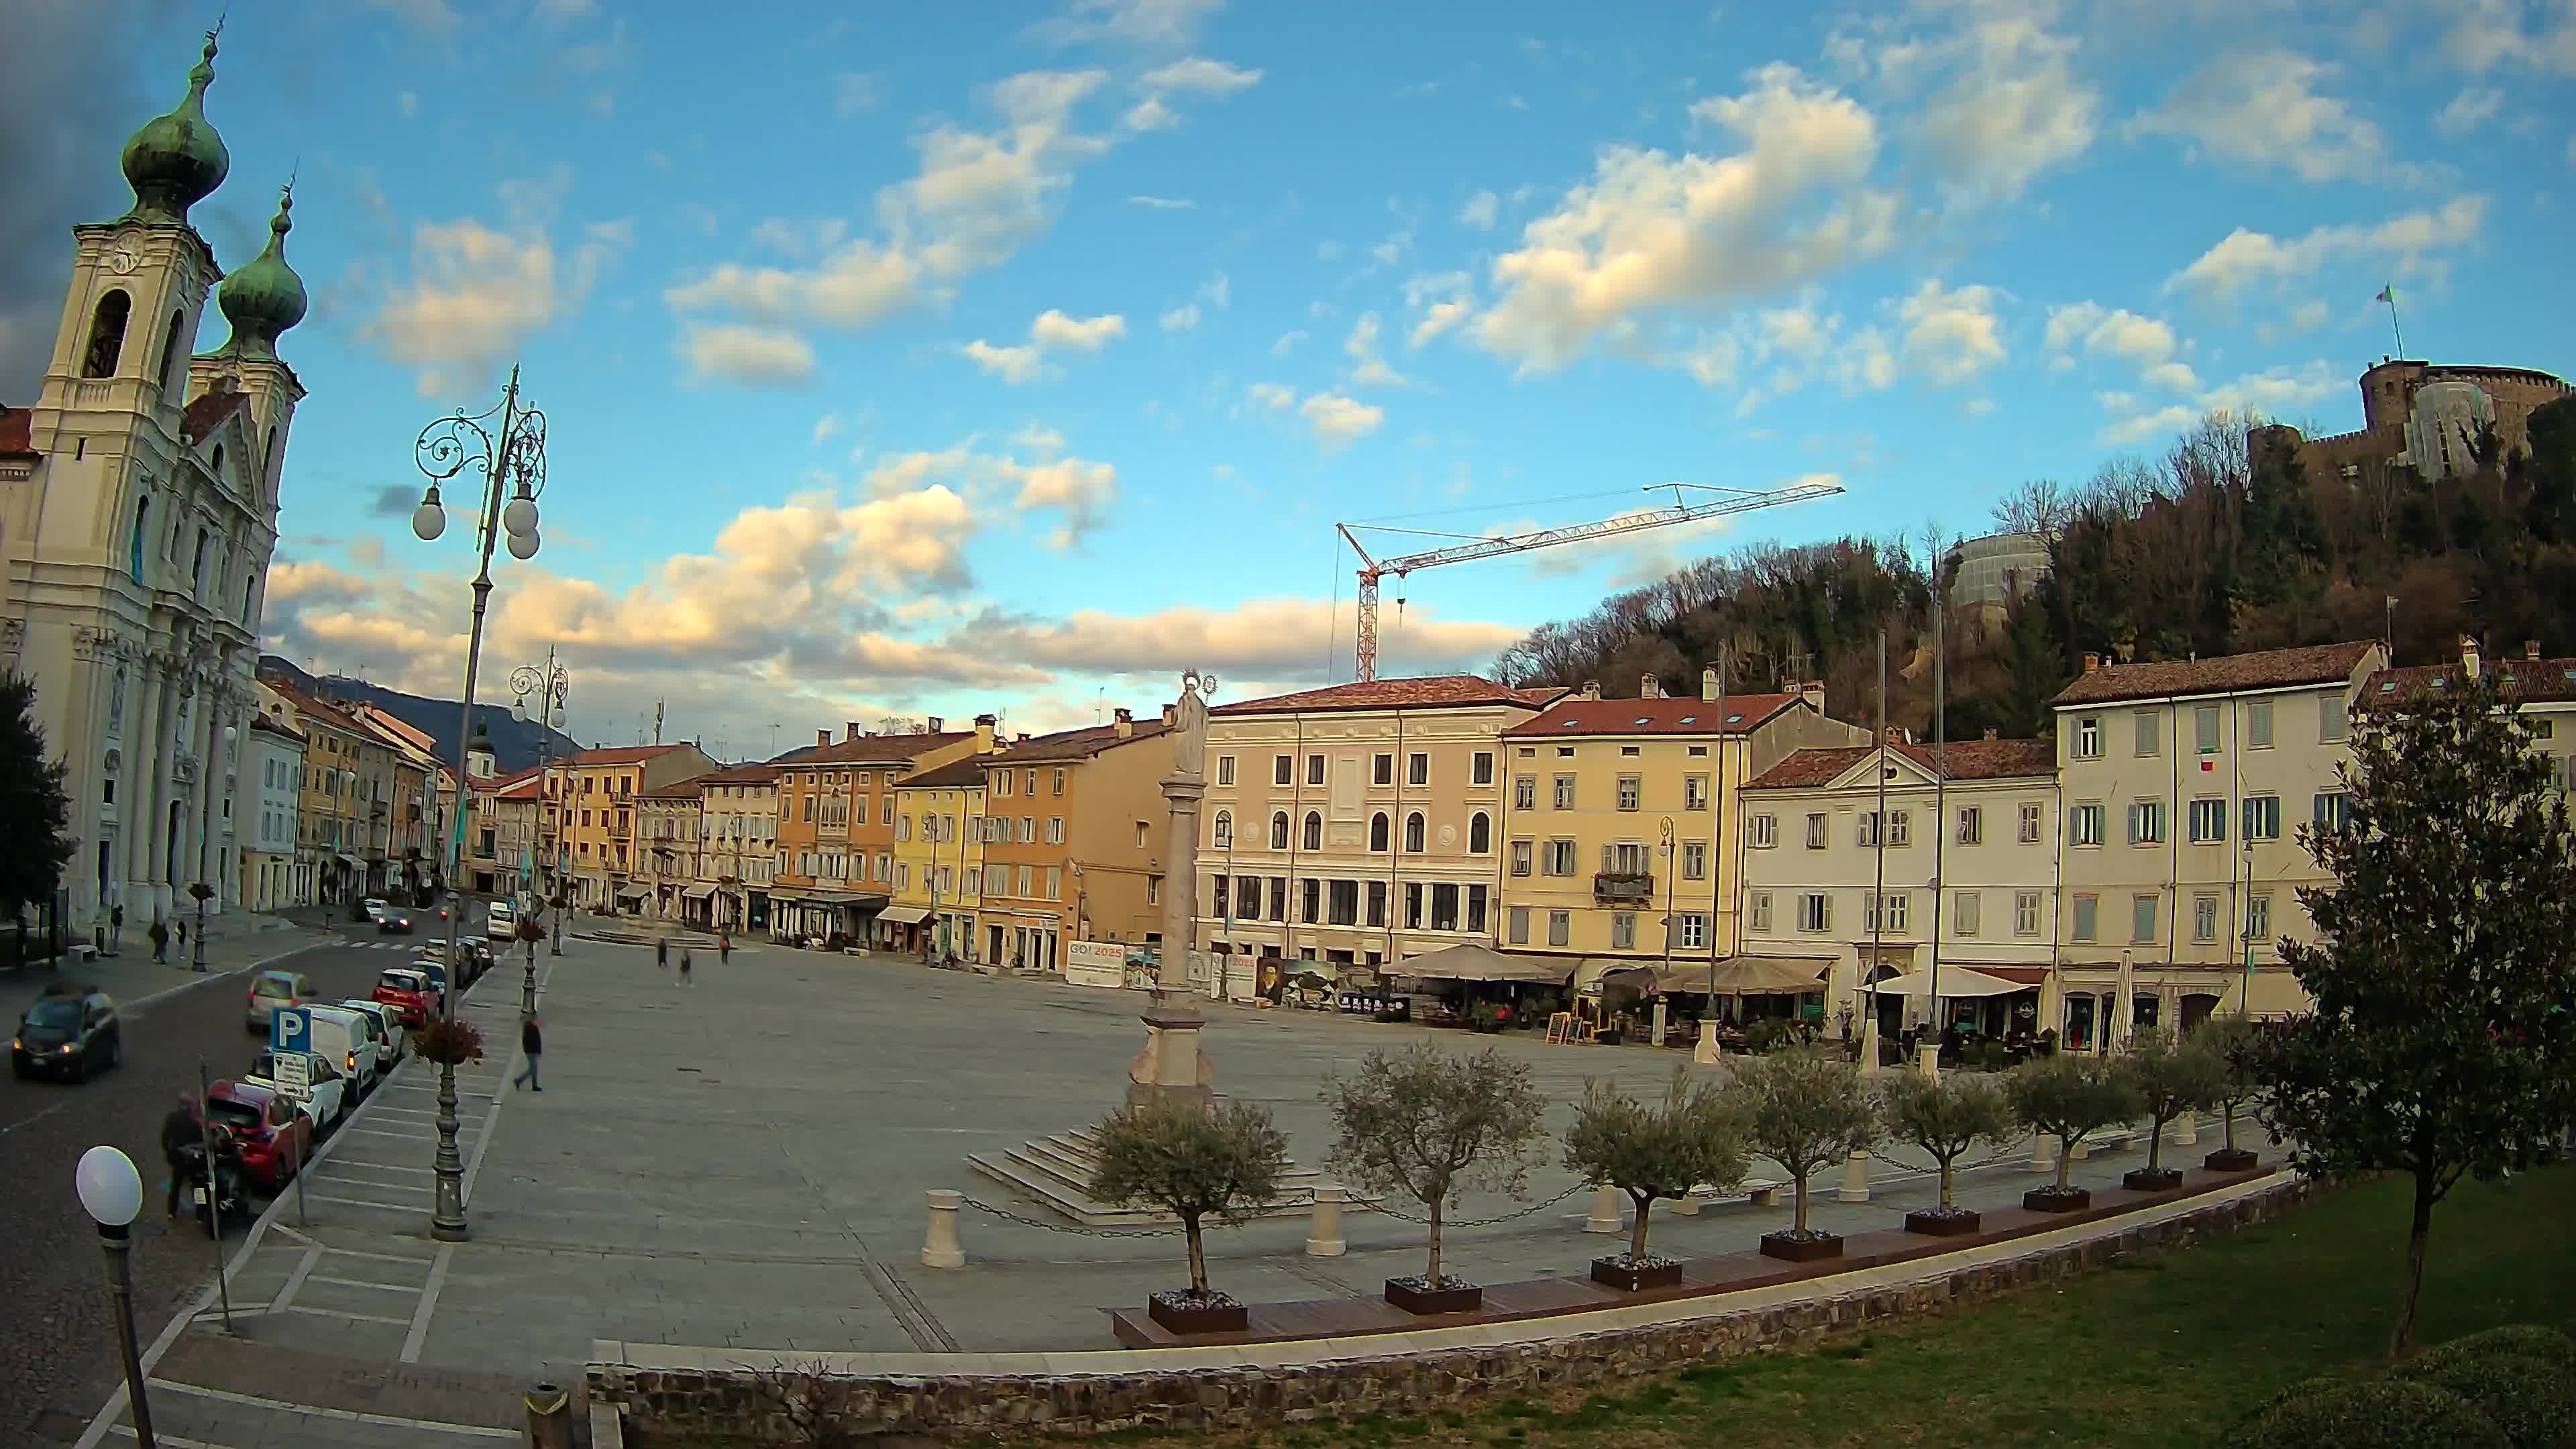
[(137, 793), (165, 776)]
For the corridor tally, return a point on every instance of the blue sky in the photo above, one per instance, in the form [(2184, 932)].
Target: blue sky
[(933, 360)]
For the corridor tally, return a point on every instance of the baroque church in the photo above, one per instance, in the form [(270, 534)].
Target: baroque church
[(138, 512)]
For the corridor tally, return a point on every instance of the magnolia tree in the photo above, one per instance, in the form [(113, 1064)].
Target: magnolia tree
[(1947, 1117), (2440, 1045), (1659, 1150), (1193, 1163), (1803, 1109), (1433, 1125), (2169, 1077), (2069, 1098)]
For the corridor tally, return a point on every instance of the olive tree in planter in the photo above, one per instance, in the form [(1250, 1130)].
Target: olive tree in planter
[(2235, 1047), (1651, 1152), (1433, 1124), (2169, 1077), (1803, 1109), (2069, 1098), (1194, 1163), (1947, 1118)]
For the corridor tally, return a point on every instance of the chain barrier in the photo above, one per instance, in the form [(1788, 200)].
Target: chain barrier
[(1446, 1224), (1078, 1229)]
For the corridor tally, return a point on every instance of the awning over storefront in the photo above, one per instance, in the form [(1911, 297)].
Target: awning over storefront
[(1479, 963), (1732, 976), (634, 892), (904, 915), (351, 861), (793, 896), (698, 892), (1955, 981)]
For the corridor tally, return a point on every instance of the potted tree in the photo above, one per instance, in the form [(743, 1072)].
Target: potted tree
[(1946, 1118), (2168, 1077), (1433, 1124), (1195, 1164), (1803, 1109), (1651, 1152), (2236, 1045), (2069, 1098)]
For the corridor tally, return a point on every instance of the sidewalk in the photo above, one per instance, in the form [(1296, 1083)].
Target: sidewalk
[(131, 977)]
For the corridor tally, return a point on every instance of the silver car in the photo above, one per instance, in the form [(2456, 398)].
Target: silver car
[(391, 1041), (270, 990)]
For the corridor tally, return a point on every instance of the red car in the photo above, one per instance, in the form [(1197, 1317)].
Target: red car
[(275, 1138), (409, 993)]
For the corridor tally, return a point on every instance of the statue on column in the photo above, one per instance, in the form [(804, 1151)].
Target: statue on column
[(1190, 726)]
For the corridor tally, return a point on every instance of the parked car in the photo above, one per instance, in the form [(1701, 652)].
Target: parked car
[(393, 921), (392, 1044), (344, 1036), (70, 1031), (270, 990), (373, 907), (500, 920), (328, 1100), (436, 972), (408, 994), (276, 1140)]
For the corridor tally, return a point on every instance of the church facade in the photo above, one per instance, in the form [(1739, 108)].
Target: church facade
[(138, 514)]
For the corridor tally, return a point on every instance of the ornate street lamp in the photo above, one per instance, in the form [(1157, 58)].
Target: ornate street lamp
[(111, 1192), (512, 462), (552, 685)]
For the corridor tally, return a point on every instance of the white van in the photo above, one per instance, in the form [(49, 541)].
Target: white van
[(500, 920), (341, 1035)]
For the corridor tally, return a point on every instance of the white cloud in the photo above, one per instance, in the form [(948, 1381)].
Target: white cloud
[(854, 92), (1184, 318), (1272, 395), (1198, 76), (477, 292), (2266, 394), (1281, 639), (1481, 211), (1340, 421), (2408, 242), (1445, 300), (1652, 231), (1368, 369), (1171, 23), (1217, 291), (2015, 111), (2483, 34), (1390, 251), (1951, 337), (1164, 203), (1288, 341), (431, 17), (1149, 114), (1081, 491), (2261, 108), (2146, 343), (826, 428), (2467, 111), (752, 356), (1053, 331), (858, 286)]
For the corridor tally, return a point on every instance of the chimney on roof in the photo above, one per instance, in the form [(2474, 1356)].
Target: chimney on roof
[(2092, 662), (938, 726), (850, 730), (1591, 689), (1022, 739), (984, 732), (1990, 732), (1650, 686), (2531, 649), (2469, 656), (1124, 722), (822, 737), (1896, 734), (1708, 685), (1813, 692)]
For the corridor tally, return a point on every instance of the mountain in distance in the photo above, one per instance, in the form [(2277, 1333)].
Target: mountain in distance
[(517, 744)]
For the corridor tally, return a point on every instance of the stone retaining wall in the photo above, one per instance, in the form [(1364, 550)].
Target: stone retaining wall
[(671, 1403)]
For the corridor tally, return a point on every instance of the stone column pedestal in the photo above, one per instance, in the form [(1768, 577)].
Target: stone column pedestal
[(2043, 1157), (1856, 1176), (1324, 1228), (1706, 1052), (1605, 1211), (1927, 1060), (2187, 1130), (941, 1247)]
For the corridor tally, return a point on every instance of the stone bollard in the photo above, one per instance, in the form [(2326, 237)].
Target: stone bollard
[(1706, 1053), (549, 1417), (2043, 1157), (1324, 1228), (1605, 1211), (2187, 1130), (2083, 1150), (941, 1248), (1685, 1206), (1856, 1176)]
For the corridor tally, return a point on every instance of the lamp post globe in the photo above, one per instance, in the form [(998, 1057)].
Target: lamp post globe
[(520, 516), (429, 520), (523, 546), (111, 1192)]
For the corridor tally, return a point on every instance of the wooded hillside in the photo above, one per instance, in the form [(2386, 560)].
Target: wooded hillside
[(2204, 550)]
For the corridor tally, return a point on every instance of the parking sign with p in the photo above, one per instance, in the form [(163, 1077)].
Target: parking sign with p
[(290, 1029)]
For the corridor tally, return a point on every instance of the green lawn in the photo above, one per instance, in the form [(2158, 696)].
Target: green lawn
[(2167, 1350)]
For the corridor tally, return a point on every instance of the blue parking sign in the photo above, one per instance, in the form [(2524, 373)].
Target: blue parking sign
[(290, 1029)]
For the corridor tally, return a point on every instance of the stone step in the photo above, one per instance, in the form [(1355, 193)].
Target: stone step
[(1044, 1173)]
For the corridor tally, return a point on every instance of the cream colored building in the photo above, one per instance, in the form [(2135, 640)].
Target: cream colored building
[(738, 854), (2544, 688), (1619, 814), (1357, 825), (1824, 883), (669, 848), (2185, 783)]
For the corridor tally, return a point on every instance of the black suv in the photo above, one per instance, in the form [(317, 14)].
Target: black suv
[(71, 1030)]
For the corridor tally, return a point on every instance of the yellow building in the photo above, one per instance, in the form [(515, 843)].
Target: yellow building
[(938, 859), (599, 810), (1619, 816)]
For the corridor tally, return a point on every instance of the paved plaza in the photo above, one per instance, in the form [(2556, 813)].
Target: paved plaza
[(740, 1163)]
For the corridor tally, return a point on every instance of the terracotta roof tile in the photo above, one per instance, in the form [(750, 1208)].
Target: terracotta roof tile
[(207, 413), (869, 750), (965, 774), (2527, 679), (693, 788), (1437, 691), (621, 755), (2267, 669), (762, 774), (1079, 744), (329, 713), (275, 726), (1740, 714), (17, 433), (1967, 760)]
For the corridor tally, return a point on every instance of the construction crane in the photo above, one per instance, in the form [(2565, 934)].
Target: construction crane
[(1474, 546)]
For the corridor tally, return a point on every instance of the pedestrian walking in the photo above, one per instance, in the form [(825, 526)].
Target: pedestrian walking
[(160, 935), (180, 1131), (532, 1043), (724, 950), (662, 953), (183, 938), (115, 927), (685, 978)]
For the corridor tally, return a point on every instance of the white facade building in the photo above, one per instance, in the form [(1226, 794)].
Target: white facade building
[(138, 506), (272, 878)]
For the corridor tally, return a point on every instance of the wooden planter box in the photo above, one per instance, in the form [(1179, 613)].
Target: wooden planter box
[(1185, 1312), (1617, 1272), (2050, 1200), (1801, 1250), (1933, 1223), (2229, 1159), (2155, 1179), (1410, 1295)]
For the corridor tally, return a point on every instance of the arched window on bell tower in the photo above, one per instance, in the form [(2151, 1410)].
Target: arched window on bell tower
[(171, 380), (142, 522), (107, 334)]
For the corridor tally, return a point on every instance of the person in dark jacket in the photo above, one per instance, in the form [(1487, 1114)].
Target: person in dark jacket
[(160, 935), (532, 1044), (662, 952), (180, 1131)]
